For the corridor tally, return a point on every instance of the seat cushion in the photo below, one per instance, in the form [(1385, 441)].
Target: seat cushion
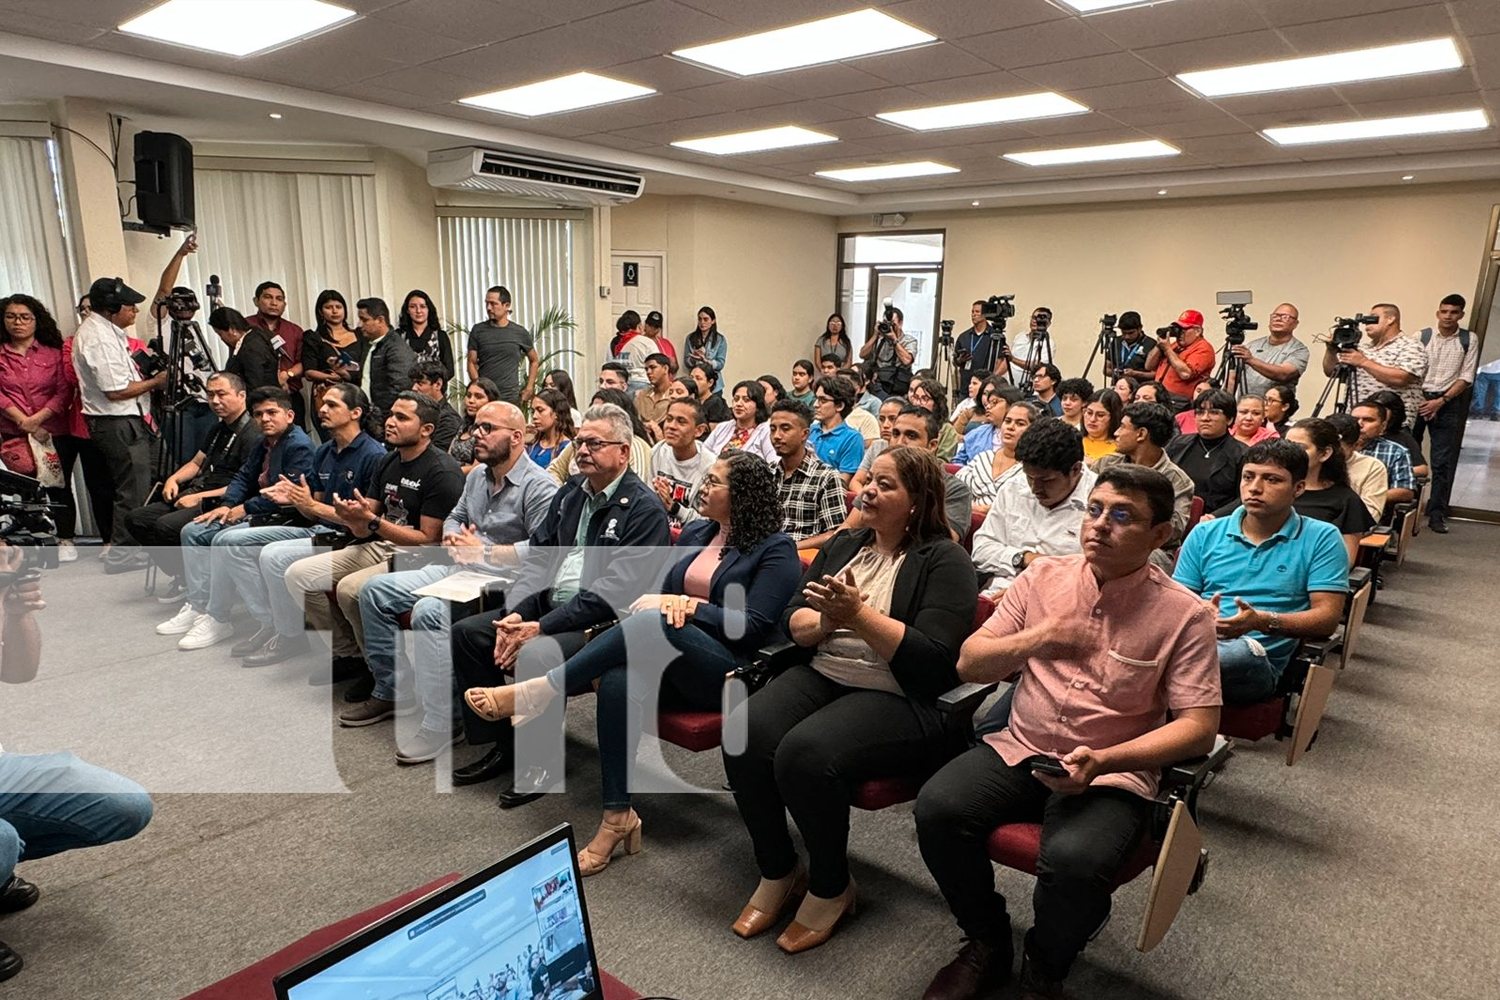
[(695, 731), (881, 793), (1015, 845), (1252, 722)]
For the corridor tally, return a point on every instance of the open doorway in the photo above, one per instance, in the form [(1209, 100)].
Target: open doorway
[(904, 270), (1476, 484)]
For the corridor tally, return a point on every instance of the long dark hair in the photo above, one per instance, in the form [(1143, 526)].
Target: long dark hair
[(47, 333), (354, 397), (563, 383), (622, 399), (491, 393), (326, 296), (560, 409), (1335, 469), (754, 500), (843, 328), (757, 394), (696, 339), (434, 323), (922, 476)]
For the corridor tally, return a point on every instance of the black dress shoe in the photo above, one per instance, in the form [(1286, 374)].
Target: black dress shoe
[(17, 894), (977, 969), (10, 962), (528, 786), (361, 689), (1438, 523), (487, 768), (280, 649), (255, 643), (344, 668)]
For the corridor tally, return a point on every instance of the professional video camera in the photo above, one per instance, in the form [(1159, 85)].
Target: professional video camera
[(999, 308), (26, 523), (1107, 344), (1236, 322), (1347, 333), (181, 300), (946, 336)]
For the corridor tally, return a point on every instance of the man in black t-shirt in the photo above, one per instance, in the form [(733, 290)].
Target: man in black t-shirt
[(429, 379)]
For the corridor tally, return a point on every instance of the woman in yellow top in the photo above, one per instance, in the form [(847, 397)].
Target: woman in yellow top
[(1101, 418)]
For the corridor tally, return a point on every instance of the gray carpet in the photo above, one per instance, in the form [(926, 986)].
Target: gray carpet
[(1364, 872)]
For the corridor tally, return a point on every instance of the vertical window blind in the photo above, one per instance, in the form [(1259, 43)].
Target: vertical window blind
[(533, 258), (34, 252)]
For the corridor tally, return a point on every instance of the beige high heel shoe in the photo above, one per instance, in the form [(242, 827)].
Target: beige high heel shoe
[(520, 702), (816, 919), (769, 902), (627, 833)]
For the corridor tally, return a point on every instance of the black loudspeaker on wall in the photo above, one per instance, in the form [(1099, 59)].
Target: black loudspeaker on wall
[(163, 180)]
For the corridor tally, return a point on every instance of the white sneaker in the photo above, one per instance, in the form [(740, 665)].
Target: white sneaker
[(181, 622), (206, 631), (67, 552)]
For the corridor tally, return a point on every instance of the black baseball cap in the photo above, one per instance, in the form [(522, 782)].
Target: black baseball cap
[(1130, 320), (108, 294), (653, 318)]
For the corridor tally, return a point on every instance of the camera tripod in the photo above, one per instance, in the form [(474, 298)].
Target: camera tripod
[(1342, 380), (1231, 366), (1107, 344), (1036, 342)]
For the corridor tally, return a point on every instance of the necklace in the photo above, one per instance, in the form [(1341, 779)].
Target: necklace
[(1209, 452)]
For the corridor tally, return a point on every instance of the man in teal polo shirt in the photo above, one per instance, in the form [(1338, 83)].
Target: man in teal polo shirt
[(834, 442), (1276, 576)]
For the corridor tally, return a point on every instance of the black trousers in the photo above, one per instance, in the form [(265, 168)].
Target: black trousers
[(97, 480), (1444, 452), (473, 640), (159, 526), (129, 448), (810, 743), (1086, 838)]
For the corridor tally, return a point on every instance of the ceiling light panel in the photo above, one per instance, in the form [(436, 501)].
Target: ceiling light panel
[(235, 27), (1472, 120), (888, 171), (1406, 59), (1094, 154), (1095, 6), (758, 141), (1024, 107), (846, 36), (565, 93)]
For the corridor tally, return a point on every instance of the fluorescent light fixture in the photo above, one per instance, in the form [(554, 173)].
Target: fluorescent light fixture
[(1409, 177), (1380, 128), (760, 140), (235, 27), (846, 36), (888, 171), (1381, 63), (1024, 107), (565, 93), (1094, 154)]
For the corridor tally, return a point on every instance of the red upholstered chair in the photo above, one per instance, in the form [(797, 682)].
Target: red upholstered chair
[(975, 520), (1195, 516), (254, 982), (952, 469), (1307, 681)]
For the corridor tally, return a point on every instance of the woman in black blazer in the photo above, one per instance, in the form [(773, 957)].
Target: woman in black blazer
[(720, 603), (882, 614)]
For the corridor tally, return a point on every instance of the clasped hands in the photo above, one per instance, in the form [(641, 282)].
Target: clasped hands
[(677, 609), (837, 600), (511, 633)]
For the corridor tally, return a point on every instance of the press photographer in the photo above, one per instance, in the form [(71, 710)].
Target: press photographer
[(1032, 349), (980, 347), (1182, 358), (1386, 360), (893, 350), (1132, 349)]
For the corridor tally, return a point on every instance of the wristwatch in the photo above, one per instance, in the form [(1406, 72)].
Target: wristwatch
[(1018, 561), (487, 552), (374, 526)]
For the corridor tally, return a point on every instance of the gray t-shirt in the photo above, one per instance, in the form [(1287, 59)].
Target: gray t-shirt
[(682, 477), (500, 350), (1293, 352)]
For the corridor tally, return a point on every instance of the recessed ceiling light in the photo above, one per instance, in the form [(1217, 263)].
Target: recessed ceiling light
[(1095, 6), (846, 36), (1162, 191), (1384, 62), (565, 93), (1409, 177), (276, 115), (1023, 107), (759, 140), (889, 171), (235, 27), (1380, 128), (1094, 154), (974, 203)]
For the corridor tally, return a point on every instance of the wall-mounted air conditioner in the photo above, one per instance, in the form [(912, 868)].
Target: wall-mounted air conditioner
[(528, 176)]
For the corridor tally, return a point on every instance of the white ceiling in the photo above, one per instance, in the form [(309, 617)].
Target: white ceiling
[(392, 77)]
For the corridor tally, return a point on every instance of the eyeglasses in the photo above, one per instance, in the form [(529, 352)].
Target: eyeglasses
[(592, 444), (1283, 315), (480, 427), (20, 318), (1119, 517), (711, 481)]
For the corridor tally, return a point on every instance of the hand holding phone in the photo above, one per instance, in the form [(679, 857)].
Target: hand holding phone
[(1050, 766)]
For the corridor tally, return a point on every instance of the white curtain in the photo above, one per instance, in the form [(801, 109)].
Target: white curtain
[(531, 257), (33, 253), (306, 232)]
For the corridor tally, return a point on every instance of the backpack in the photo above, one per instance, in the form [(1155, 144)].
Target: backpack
[(1463, 338)]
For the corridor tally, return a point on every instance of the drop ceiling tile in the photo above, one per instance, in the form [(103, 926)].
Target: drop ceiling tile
[(975, 87), (291, 66), (565, 11), (1283, 102), (872, 102), (1071, 125), (1019, 141), (1220, 148), (1304, 116), (368, 90), (1098, 71), (1184, 21), (1476, 17), (957, 18), (1131, 95), (924, 63), (1174, 131), (657, 26), (55, 30), (828, 80), (861, 128), (650, 110), (1278, 13), (539, 56), (747, 16), (104, 14), (665, 73), (479, 22), (1054, 41), (1486, 51), (1415, 105), (657, 135), (1408, 25), (1181, 112), (735, 95), (179, 55), (426, 81), (615, 140), (1412, 87), (1212, 53)]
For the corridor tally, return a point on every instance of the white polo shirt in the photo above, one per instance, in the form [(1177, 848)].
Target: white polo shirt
[(101, 356)]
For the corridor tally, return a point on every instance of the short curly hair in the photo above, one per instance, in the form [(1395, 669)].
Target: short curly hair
[(754, 500), (1050, 444), (1080, 387), (838, 389)]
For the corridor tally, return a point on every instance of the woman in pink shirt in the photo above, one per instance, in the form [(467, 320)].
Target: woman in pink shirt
[(1250, 425)]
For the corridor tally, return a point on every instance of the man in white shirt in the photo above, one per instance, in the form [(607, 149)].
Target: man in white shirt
[(1032, 349), (1452, 357), (117, 405), (678, 461), (1038, 513)]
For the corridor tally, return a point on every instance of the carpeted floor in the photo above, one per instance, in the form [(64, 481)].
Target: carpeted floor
[(1365, 872)]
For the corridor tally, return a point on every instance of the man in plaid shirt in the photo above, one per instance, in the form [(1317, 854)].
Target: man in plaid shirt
[(1372, 419), (812, 494)]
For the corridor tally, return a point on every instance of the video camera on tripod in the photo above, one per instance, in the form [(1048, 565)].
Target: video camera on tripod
[(26, 523), (999, 308), (1345, 336), (1236, 322), (1346, 333)]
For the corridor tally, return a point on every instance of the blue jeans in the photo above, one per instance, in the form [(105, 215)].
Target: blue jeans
[(1246, 672), (275, 559), (626, 661), (236, 557), (1486, 402), (381, 600), (54, 802), (197, 564)]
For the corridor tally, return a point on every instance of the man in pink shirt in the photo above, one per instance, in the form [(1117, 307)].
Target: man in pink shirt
[(1097, 679)]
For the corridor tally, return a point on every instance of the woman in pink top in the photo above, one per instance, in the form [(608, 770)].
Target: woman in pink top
[(719, 604), (1250, 425)]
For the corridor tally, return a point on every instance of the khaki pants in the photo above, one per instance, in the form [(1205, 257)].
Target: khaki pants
[(345, 571)]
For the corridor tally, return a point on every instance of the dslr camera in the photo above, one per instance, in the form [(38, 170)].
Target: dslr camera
[(887, 325), (1347, 333), (1169, 332)]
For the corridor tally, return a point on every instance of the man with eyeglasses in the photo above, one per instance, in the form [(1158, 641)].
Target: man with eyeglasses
[(596, 551), (505, 500), (1278, 357), (1095, 683), (836, 444), (1033, 348)]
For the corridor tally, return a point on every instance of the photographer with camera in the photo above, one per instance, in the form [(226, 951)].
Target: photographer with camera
[(49, 802), (979, 348), (1132, 350), (1278, 357), (893, 350), (1182, 358), (173, 308), (1387, 360), (1032, 349), (116, 405)]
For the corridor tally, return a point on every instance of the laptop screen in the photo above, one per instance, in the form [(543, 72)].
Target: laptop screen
[(516, 931)]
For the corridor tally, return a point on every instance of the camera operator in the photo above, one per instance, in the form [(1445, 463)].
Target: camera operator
[(1182, 358), (1021, 354), (979, 348), (893, 350), (1278, 357), (116, 404), (170, 306), (1132, 350), (251, 355), (1388, 360), (49, 802)]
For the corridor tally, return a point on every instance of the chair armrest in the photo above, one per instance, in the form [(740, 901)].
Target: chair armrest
[(1358, 577), (1196, 772), (963, 701), (769, 661), (1320, 650)]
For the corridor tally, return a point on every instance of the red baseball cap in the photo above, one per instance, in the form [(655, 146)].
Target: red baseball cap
[(1190, 317)]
